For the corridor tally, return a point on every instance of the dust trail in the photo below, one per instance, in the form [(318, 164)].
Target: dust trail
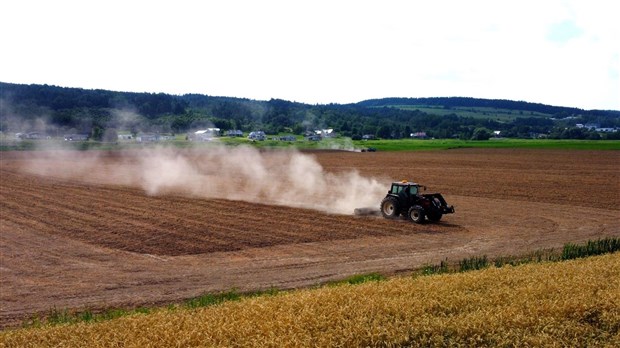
[(242, 173), (344, 144)]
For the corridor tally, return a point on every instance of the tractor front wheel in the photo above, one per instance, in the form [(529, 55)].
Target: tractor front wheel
[(416, 214), (389, 208)]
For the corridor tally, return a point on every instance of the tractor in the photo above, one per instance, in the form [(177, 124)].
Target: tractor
[(404, 198)]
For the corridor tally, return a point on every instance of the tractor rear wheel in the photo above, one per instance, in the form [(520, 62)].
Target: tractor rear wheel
[(389, 208), (416, 214)]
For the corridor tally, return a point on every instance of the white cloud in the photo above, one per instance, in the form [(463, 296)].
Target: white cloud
[(564, 31), (320, 51)]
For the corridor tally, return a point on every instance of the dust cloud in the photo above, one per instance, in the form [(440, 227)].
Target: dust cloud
[(286, 177), (345, 144)]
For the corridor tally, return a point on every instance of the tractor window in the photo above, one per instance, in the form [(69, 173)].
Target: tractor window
[(396, 189), (413, 190)]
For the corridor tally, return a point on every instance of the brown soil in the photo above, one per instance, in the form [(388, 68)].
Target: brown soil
[(91, 244)]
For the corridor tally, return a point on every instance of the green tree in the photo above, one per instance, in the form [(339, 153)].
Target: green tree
[(408, 131), (481, 134), (612, 136), (97, 133), (384, 132), (180, 124)]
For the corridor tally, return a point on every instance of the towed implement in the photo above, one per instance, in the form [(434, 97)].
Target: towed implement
[(404, 199)]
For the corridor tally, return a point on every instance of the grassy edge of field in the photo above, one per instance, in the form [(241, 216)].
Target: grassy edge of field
[(327, 144), (570, 251), (448, 144)]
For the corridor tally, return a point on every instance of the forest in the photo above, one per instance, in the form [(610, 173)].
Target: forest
[(53, 110)]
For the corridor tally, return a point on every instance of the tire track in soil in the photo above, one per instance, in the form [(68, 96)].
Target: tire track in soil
[(95, 222), (171, 225)]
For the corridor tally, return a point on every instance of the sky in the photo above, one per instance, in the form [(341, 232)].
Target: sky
[(557, 52)]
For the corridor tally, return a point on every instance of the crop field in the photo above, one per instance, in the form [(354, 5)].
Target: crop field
[(475, 112), (96, 230), (8, 143), (536, 305)]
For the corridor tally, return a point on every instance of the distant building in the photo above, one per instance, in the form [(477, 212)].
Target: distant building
[(418, 135), (125, 137), (257, 135), (536, 135), (32, 136), (205, 134), (325, 133), (368, 137), (148, 138), (76, 137), (606, 130), (288, 138), (314, 137), (234, 133)]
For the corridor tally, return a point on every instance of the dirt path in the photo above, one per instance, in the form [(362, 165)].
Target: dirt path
[(74, 244)]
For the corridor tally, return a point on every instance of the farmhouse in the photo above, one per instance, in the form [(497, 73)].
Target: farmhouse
[(325, 133), (288, 138)]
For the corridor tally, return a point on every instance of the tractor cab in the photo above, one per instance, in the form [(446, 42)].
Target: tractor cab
[(405, 187)]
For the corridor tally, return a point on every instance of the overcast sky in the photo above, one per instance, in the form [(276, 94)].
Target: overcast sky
[(564, 53)]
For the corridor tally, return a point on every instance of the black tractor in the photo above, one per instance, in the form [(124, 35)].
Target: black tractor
[(404, 198)]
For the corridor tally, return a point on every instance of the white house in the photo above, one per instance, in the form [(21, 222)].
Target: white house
[(206, 134), (325, 133)]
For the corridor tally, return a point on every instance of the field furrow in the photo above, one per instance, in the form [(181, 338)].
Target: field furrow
[(95, 238)]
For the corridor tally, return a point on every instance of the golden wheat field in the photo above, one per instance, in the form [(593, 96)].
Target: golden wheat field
[(572, 303)]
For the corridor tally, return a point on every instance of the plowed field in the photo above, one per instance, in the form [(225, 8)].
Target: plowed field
[(92, 237)]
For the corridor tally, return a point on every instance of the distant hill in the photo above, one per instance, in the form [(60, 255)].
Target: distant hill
[(485, 106), (451, 102), (41, 107)]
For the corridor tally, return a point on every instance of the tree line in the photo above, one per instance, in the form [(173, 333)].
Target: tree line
[(31, 107)]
